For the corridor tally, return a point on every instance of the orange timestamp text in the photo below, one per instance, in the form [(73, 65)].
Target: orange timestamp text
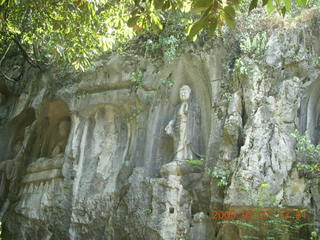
[(246, 215)]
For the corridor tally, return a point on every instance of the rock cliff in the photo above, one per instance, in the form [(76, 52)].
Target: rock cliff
[(88, 156)]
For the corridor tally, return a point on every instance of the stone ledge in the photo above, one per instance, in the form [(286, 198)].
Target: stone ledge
[(42, 176), (177, 168)]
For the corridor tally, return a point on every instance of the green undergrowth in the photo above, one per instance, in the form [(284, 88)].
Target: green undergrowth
[(269, 221)]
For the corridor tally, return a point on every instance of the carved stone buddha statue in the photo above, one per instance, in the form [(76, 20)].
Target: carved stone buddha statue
[(61, 139), (178, 127), (185, 130)]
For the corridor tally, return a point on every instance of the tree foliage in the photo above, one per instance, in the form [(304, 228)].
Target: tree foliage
[(309, 155), (67, 31), (75, 31)]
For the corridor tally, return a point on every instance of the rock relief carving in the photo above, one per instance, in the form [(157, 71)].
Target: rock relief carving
[(49, 150), (179, 128), (10, 168), (60, 140), (41, 173), (49, 168), (185, 130)]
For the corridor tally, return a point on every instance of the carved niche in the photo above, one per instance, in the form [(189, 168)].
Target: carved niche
[(53, 130), (44, 170), (11, 165), (184, 127), (310, 113)]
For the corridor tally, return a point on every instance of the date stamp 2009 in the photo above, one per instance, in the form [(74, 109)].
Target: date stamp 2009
[(246, 215)]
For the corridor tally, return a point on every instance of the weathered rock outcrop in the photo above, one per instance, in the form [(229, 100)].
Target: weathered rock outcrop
[(90, 158)]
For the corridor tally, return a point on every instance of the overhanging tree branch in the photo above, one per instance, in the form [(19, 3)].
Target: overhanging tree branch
[(3, 57), (25, 54)]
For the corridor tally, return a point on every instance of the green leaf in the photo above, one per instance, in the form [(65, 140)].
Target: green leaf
[(235, 2), (264, 186), (230, 12), (11, 3), (264, 2), (158, 4), (2, 2), (213, 26), (253, 5), (201, 5), (283, 11), (133, 21), (166, 5), (271, 6), (229, 15), (196, 28), (230, 22), (199, 25), (287, 4), (157, 23), (302, 3)]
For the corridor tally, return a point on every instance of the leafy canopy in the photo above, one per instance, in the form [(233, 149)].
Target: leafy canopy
[(75, 31)]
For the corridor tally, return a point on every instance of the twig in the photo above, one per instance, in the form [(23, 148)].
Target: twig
[(25, 54), (3, 57), (6, 77)]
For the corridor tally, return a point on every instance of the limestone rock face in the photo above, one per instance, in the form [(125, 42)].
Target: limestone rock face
[(92, 158), (176, 168)]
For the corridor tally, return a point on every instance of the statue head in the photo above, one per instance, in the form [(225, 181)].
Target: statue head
[(185, 91), (64, 127)]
